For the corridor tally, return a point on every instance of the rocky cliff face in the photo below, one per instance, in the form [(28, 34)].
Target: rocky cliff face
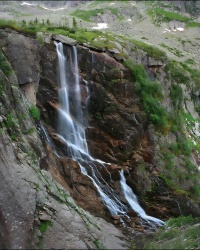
[(38, 186), (36, 211)]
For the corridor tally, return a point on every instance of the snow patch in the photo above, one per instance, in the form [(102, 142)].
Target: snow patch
[(129, 20), (25, 3), (180, 29), (101, 26), (176, 29), (112, 3), (51, 9)]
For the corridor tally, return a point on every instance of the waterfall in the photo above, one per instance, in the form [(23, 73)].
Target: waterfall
[(72, 132), (133, 202)]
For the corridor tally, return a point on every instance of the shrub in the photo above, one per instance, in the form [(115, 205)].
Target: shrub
[(184, 145), (150, 93), (176, 94), (196, 190), (4, 66), (176, 72), (10, 121), (45, 225), (34, 112), (181, 221)]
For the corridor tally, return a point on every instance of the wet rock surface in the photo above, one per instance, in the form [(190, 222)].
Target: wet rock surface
[(37, 210), (116, 133)]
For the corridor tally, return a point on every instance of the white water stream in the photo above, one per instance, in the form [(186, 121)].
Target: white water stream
[(72, 133)]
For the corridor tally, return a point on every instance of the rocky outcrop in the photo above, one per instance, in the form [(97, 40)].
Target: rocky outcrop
[(64, 39), (39, 182), (117, 132), (36, 211), (22, 53)]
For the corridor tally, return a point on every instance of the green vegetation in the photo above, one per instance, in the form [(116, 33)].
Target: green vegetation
[(179, 233), (45, 225), (175, 51), (151, 51), (86, 15), (194, 74), (162, 15), (4, 66), (3, 87), (34, 112), (189, 61), (10, 121), (169, 159), (176, 73), (98, 244), (196, 190), (158, 15), (182, 146), (176, 94), (150, 94), (192, 24), (23, 27), (96, 38)]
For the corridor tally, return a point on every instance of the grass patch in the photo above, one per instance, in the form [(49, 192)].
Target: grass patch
[(194, 74), (162, 15), (176, 94), (174, 51), (45, 225), (176, 73), (179, 233), (4, 65), (193, 25), (10, 121), (34, 112), (86, 15), (159, 15), (196, 190), (150, 94), (151, 51)]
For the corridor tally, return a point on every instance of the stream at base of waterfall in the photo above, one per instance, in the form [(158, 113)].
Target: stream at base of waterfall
[(71, 130)]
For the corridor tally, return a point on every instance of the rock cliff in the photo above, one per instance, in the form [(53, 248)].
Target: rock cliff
[(44, 197), (36, 211)]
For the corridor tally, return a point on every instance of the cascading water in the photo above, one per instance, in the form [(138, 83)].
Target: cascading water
[(72, 132)]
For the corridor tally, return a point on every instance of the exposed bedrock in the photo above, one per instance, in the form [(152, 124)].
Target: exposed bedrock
[(37, 186)]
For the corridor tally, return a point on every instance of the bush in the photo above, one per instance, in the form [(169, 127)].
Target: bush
[(34, 112)]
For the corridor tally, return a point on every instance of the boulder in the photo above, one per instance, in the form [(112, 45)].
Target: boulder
[(64, 39), (24, 54)]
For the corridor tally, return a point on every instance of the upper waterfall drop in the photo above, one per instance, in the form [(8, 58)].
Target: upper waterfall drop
[(71, 131)]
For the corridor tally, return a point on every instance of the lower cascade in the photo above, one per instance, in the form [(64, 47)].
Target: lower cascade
[(71, 130)]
